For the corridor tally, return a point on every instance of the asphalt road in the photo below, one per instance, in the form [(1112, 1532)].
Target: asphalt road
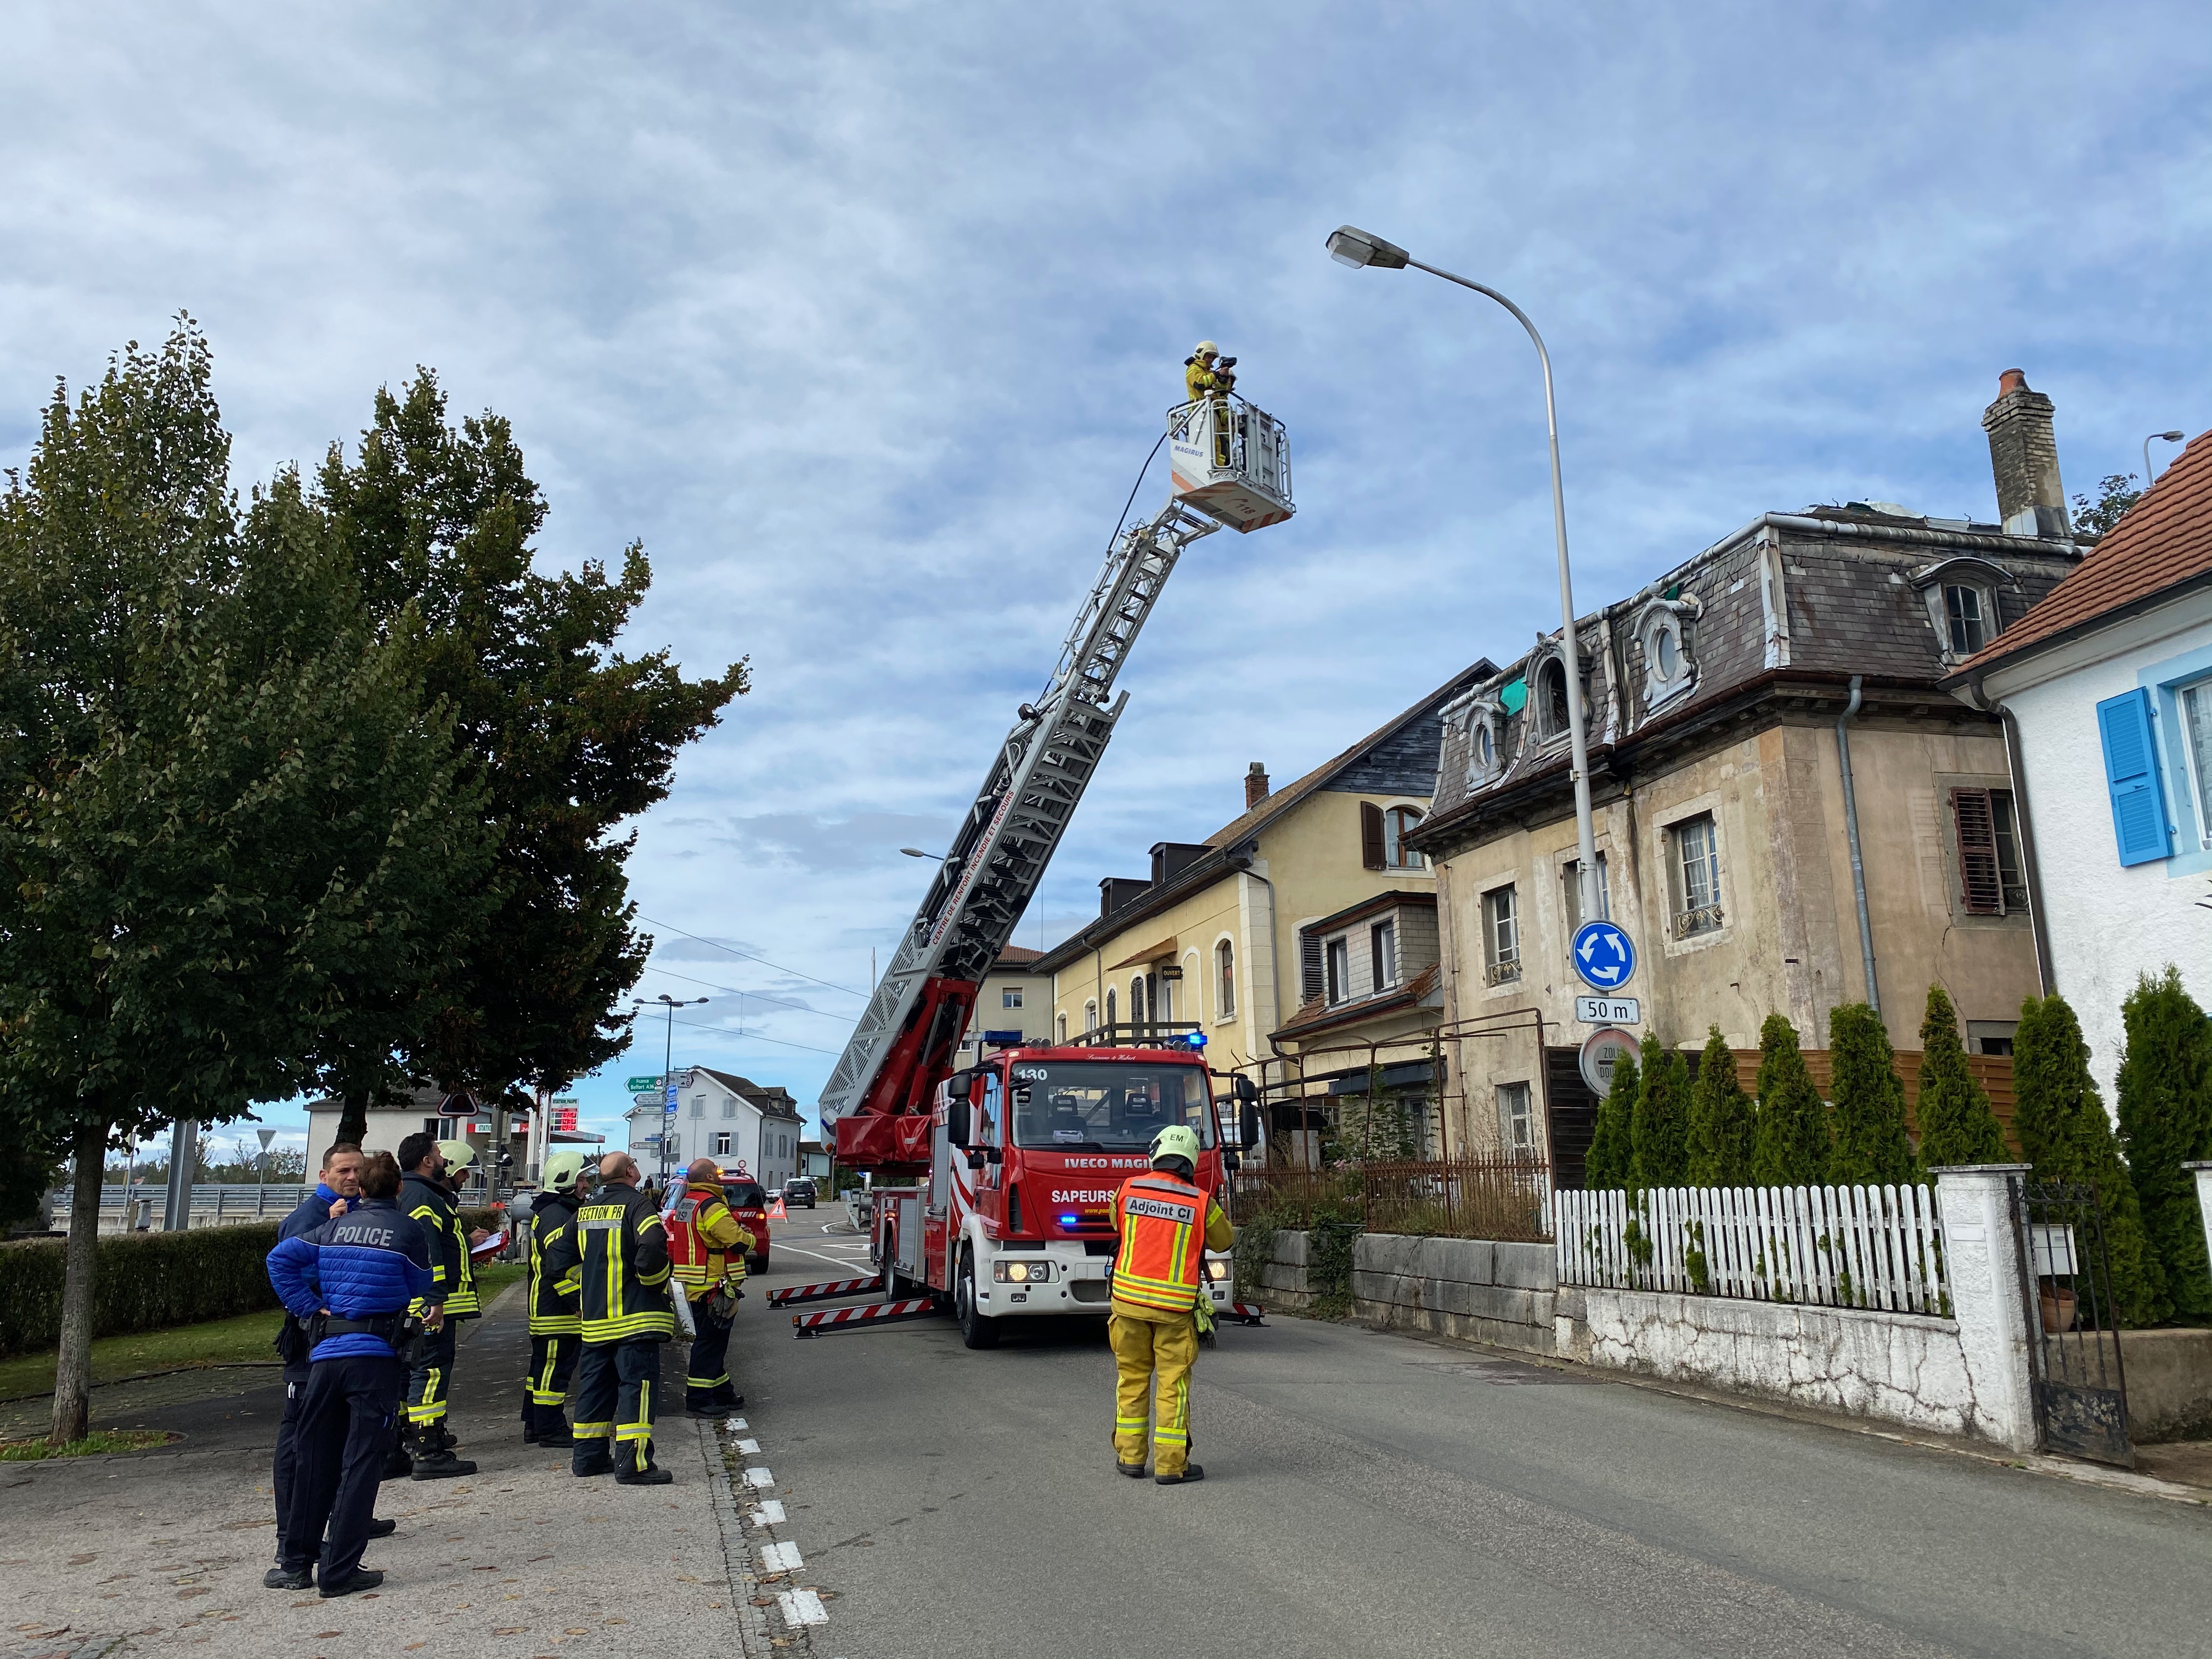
[(1375, 1495)]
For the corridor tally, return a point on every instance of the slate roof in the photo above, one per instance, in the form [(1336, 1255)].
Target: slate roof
[(775, 1102), (2161, 543)]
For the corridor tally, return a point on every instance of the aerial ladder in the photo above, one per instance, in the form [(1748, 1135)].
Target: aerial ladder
[(1229, 464)]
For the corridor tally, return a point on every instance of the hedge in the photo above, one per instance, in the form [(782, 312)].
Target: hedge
[(144, 1283)]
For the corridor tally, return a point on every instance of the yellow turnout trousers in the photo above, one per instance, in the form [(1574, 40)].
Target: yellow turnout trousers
[(1144, 1350)]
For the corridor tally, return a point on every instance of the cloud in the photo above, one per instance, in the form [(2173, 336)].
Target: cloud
[(819, 846)]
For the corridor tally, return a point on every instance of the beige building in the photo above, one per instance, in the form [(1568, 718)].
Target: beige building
[(1224, 937), (1792, 812), (1015, 999)]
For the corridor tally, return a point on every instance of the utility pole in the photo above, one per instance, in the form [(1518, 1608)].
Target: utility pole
[(667, 1069)]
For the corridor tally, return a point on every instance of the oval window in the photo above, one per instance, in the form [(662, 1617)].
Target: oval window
[(1664, 652)]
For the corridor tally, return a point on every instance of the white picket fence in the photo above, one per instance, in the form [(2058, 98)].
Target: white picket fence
[(1848, 1247)]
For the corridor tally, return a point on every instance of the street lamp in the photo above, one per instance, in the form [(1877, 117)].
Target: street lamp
[(2164, 438), (1350, 246), (668, 1064), (917, 853)]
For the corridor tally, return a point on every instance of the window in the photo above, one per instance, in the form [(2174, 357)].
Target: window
[(2196, 738), (1090, 1016), (1339, 969), (1697, 872), (1110, 1005), (1396, 855), (1990, 881), (1963, 612), (1482, 748), (729, 1109), (1373, 854), (1382, 953), (1140, 1012), (1010, 997), (1060, 1028), (1309, 973), (1669, 666), (675, 1148), (1501, 935), (698, 1106), (1516, 1118), (1551, 689), (1571, 893), (721, 1145), (1225, 977)]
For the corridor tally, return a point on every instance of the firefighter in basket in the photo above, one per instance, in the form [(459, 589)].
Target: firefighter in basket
[(1160, 1304), (1207, 374), (707, 1251)]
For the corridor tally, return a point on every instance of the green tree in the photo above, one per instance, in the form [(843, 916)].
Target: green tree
[(1659, 1129), (1724, 1128), (2116, 493), (1611, 1160), (1956, 1124), (569, 738), (1792, 1146), (1872, 1146), (2165, 1121), (228, 808), (2059, 1115)]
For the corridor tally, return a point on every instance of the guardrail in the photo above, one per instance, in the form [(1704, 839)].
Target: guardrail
[(213, 1203)]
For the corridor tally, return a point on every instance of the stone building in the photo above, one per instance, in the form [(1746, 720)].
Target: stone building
[(1783, 786)]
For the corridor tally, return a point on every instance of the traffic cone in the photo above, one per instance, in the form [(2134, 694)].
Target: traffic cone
[(775, 1210)]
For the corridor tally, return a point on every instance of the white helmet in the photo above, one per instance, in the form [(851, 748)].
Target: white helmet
[(1206, 349)]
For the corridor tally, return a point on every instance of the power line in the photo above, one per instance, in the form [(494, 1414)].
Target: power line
[(760, 996), (718, 945), (724, 1031)]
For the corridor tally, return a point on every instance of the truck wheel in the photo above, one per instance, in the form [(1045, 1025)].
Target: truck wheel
[(977, 1328)]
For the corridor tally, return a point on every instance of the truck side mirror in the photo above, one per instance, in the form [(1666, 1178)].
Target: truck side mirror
[(1247, 1090), (1248, 1124), (957, 1125)]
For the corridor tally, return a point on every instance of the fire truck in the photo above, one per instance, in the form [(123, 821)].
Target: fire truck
[(994, 1184)]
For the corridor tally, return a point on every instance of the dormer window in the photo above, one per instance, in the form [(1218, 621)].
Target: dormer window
[(1548, 703), (1963, 614), (1485, 740), (1670, 664), (1961, 595)]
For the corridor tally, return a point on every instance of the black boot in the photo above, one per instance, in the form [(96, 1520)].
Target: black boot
[(590, 1457), (433, 1456), (551, 1427)]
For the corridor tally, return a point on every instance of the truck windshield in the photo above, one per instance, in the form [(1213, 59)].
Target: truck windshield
[(1107, 1106)]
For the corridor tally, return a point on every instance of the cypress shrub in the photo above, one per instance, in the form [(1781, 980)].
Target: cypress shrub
[(1791, 1146), (1956, 1123), (2065, 1134), (1659, 1126), (1723, 1126), (145, 1282), (2165, 1121), (1611, 1159), (1872, 1147)]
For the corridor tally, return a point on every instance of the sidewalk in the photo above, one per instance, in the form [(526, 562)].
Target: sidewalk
[(162, 1551)]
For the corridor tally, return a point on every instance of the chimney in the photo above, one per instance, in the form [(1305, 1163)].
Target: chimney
[(2024, 455), (1255, 785)]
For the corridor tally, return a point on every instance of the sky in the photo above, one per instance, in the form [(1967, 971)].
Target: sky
[(862, 319)]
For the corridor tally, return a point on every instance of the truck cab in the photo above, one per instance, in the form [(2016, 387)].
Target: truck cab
[(1028, 1149)]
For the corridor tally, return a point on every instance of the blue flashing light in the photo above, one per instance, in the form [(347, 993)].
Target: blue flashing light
[(1195, 1039), (1069, 1220)]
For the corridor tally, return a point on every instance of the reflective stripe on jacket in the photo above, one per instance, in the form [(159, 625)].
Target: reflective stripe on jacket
[(705, 1241), (552, 1296), (432, 1207), (1166, 1225), (617, 1243)]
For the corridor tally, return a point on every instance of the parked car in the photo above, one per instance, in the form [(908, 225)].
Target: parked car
[(801, 1192), (748, 1201)]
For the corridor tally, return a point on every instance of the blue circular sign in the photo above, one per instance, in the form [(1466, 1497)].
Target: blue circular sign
[(1603, 956)]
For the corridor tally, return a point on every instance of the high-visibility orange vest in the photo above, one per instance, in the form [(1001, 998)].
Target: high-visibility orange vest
[(694, 1258), (1163, 1242)]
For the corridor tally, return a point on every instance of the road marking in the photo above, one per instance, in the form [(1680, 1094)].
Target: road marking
[(749, 1449), (834, 1262), (769, 1514), (781, 1558), (735, 1424), (801, 1606), (759, 1478)]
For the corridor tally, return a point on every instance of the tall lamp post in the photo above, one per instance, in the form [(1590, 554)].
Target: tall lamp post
[(2164, 438), (667, 1067), (1347, 246)]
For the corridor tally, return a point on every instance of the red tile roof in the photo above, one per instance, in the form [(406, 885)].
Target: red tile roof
[(1016, 955), (2164, 540)]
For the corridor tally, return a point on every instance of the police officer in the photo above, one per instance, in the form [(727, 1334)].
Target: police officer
[(1166, 1223), (350, 1282), (555, 1325), (707, 1250), (619, 1244), (426, 1197)]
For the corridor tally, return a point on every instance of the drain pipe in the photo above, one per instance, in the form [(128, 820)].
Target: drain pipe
[(1851, 824)]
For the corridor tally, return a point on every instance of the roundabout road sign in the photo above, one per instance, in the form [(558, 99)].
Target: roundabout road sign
[(1603, 956)]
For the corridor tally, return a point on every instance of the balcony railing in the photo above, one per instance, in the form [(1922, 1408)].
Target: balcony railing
[(1703, 919), (1503, 973)]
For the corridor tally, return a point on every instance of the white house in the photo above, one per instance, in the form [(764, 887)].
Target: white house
[(728, 1118), (2106, 687), (1014, 998)]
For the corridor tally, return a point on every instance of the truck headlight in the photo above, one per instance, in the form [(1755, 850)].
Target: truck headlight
[(1021, 1273), (1217, 1269)]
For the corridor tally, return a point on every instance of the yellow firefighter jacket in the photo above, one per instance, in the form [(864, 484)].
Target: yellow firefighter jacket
[(620, 1251)]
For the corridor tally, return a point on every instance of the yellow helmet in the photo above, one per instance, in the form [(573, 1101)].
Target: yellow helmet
[(457, 1154), (563, 1171), (1176, 1140)]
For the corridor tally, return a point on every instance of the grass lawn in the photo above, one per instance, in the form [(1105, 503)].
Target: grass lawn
[(242, 1341), (99, 1444)]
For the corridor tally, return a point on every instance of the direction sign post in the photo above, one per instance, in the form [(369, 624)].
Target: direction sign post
[(1604, 956), (1608, 1011), (646, 1085)]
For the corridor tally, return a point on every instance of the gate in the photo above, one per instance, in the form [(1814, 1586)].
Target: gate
[(2073, 1327)]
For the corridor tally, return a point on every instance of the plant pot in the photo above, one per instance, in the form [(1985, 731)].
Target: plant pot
[(2059, 1308)]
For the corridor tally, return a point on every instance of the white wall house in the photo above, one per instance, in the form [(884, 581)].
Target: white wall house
[(2107, 687), (728, 1118)]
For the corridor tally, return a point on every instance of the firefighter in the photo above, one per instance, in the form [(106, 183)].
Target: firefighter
[(425, 1195), (1206, 374), (555, 1326), (707, 1251), (350, 1283), (621, 1247), (1166, 1223)]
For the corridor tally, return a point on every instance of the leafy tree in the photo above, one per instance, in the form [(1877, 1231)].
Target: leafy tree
[(1792, 1146), (228, 808), (1611, 1160), (569, 738), (2165, 1121), (2115, 495), (2059, 1115), (1659, 1130), (1724, 1128), (1872, 1145), (1956, 1124)]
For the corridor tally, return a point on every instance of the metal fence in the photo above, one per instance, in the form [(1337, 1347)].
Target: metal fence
[(1505, 1199), (1847, 1247), (213, 1203)]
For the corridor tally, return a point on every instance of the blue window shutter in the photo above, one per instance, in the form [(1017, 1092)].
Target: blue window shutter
[(2131, 775)]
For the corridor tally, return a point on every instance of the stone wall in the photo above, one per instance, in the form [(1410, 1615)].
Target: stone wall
[(1473, 1289), (2169, 1384)]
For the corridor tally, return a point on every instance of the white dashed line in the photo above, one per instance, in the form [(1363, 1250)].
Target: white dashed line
[(769, 1514), (781, 1558), (736, 1424), (759, 1478), (749, 1449), (801, 1606)]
